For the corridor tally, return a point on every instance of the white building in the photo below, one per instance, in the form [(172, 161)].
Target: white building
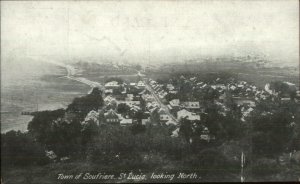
[(112, 84), (187, 114), (141, 84)]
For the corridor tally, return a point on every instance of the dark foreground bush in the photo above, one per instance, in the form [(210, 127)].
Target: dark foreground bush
[(20, 149)]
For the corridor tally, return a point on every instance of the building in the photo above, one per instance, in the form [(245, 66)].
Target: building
[(173, 92), (109, 99), (130, 103), (164, 118), (170, 87), (171, 122), (145, 121), (112, 117), (141, 84), (191, 106), (148, 98), (112, 85), (92, 116), (187, 114), (175, 133), (126, 122), (129, 97), (244, 101), (205, 135), (174, 103), (108, 91)]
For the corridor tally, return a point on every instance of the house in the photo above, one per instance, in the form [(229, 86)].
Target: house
[(170, 87), (161, 111), (151, 105), (175, 133), (126, 122), (148, 97), (112, 117), (220, 86), (129, 97), (191, 106), (244, 101), (240, 86), (205, 135), (193, 79), (285, 99), (171, 122), (232, 88), (125, 91), (112, 85), (134, 108), (65, 159), (187, 114), (174, 103), (164, 117), (246, 113), (130, 103), (141, 84), (173, 92), (152, 82), (51, 155), (92, 116), (109, 99), (108, 91), (145, 121)]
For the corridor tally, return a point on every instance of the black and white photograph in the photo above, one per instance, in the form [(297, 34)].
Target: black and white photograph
[(151, 91)]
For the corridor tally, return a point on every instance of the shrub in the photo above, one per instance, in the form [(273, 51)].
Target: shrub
[(20, 149)]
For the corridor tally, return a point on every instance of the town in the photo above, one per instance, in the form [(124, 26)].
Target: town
[(202, 121), (148, 102)]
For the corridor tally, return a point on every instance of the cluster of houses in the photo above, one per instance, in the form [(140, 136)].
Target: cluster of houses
[(114, 87), (148, 100), (189, 110), (241, 93), (158, 88), (129, 95)]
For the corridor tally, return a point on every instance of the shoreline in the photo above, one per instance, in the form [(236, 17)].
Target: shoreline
[(22, 121)]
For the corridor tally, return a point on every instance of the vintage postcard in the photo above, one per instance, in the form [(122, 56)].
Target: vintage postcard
[(150, 91)]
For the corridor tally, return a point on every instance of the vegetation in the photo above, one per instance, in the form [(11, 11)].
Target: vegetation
[(15, 153), (268, 132), (83, 105)]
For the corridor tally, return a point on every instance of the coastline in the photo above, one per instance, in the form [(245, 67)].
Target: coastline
[(52, 90)]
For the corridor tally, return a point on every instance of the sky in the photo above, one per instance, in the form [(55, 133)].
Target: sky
[(149, 31)]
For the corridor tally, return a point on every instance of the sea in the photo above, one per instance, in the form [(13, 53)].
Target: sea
[(32, 85)]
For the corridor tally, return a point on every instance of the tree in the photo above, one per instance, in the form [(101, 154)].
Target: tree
[(269, 129), (83, 105), (89, 130), (123, 108), (186, 129), (138, 128), (209, 161), (20, 149), (41, 124)]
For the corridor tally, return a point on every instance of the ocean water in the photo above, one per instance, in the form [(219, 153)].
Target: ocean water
[(33, 86)]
